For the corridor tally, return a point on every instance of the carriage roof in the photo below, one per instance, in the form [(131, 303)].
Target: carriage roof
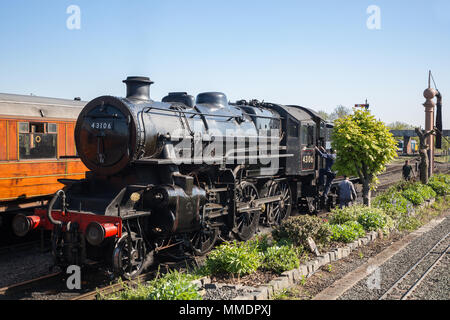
[(14, 105)]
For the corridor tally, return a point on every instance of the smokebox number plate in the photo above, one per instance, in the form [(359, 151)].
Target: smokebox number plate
[(103, 125)]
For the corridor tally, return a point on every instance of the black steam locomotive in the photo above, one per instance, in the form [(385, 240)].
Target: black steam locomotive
[(180, 173)]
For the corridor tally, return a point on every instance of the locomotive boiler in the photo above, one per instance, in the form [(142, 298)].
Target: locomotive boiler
[(179, 174)]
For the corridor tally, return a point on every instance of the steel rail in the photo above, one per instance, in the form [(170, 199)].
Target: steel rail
[(6, 291), (431, 268), (406, 293), (116, 287)]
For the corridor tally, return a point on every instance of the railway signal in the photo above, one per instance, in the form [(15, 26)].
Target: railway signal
[(366, 105)]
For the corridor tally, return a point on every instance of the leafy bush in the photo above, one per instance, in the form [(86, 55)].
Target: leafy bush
[(440, 187), (281, 258), (348, 232), (418, 193), (172, 286), (408, 223), (445, 178), (261, 242), (425, 191), (234, 258), (299, 229), (393, 203), (373, 219), (344, 215), (413, 196)]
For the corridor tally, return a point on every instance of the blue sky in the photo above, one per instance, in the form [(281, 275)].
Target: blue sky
[(318, 54)]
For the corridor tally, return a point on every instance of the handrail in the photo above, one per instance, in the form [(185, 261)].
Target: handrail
[(148, 109)]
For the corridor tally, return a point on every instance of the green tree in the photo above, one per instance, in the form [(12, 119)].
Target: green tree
[(398, 125), (340, 112), (324, 115), (364, 147)]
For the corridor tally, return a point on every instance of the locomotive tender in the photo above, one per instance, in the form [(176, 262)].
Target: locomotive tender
[(179, 173)]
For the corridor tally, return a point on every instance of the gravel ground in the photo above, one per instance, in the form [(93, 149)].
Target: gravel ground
[(224, 292), (337, 270), (24, 265), (436, 286), (398, 265), (419, 270)]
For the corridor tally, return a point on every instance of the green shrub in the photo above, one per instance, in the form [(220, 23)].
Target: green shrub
[(348, 232), (441, 188), (445, 178), (261, 242), (426, 191), (413, 196), (281, 258), (341, 216), (408, 223), (392, 203), (418, 193), (234, 258), (172, 286), (299, 229), (373, 219)]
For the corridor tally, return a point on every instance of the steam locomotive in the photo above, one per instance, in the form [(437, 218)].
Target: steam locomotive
[(179, 173)]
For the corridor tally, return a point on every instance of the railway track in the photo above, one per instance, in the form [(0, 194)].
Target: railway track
[(19, 288), (403, 289), (148, 276), (114, 288)]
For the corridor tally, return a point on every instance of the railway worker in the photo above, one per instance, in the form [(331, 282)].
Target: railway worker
[(407, 171), (347, 192), (330, 158)]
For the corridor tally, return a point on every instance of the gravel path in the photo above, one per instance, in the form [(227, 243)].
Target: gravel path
[(376, 284)]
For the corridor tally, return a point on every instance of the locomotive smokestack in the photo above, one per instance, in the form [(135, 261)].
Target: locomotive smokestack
[(138, 88)]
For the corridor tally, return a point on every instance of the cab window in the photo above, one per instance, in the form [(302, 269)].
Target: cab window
[(37, 140), (307, 134), (293, 128)]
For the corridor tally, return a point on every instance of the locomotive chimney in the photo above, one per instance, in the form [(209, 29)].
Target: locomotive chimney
[(138, 88)]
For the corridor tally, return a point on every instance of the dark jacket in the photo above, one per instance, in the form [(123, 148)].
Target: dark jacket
[(407, 169), (347, 190), (329, 160)]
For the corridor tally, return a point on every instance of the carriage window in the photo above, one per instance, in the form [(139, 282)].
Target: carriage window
[(24, 127), (307, 134), (37, 141), (52, 128)]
